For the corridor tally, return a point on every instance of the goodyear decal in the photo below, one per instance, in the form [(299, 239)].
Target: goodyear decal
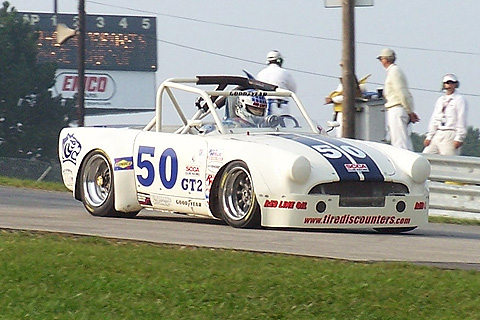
[(349, 161)]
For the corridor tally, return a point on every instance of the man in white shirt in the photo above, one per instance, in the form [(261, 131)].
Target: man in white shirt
[(275, 74), (447, 128), (399, 101)]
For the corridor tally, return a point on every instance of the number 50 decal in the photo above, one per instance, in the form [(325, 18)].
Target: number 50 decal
[(167, 156), (334, 152)]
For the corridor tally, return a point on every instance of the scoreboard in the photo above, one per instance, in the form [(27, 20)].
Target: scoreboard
[(112, 42)]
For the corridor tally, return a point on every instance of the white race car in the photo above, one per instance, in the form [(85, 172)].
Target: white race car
[(241, 158)]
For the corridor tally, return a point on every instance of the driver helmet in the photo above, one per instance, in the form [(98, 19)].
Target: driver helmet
[(251, 109), (274, 56)]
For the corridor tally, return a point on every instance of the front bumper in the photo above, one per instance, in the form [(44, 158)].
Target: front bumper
[(322, 211)]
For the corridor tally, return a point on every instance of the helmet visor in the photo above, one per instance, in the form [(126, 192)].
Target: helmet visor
[(258, 110)]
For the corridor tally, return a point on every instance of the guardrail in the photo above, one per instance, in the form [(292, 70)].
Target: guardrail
[(454, 186)]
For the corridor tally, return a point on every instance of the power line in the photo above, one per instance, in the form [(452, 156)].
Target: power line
[(291, 69), (282, 33)]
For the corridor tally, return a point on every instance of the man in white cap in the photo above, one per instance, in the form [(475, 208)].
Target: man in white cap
[(275, 74), (447, 128), (399, 101)]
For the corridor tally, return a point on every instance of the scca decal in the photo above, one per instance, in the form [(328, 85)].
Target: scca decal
[(353, 167), (300, 205)]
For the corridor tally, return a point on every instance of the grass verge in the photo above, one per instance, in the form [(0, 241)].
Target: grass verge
[(48, 276), (32, 184)]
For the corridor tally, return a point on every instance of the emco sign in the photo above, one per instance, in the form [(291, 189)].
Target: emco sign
[(98, 86)]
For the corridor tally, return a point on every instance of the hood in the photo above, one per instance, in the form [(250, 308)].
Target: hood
[(348, 160)]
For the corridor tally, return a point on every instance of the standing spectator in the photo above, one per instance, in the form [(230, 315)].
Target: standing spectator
[(447, 128), (273, 73), (399, 101), (336, 98)]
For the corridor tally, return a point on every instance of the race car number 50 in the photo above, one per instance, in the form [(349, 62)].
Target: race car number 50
[(143, 161)]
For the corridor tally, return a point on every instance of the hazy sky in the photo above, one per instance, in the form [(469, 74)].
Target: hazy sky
[(431, 38)]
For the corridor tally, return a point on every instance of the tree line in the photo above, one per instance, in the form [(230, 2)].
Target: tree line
[(30, 116)]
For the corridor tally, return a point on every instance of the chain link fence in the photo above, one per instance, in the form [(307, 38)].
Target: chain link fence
[(30, 169)]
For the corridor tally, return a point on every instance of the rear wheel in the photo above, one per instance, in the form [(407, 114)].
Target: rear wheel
[(96, 187), (237, 201)]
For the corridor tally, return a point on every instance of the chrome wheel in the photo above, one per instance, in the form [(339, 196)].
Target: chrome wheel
[(97, 180), (237, 197)]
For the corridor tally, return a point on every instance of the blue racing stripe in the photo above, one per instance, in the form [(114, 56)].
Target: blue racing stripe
[(349, 161)]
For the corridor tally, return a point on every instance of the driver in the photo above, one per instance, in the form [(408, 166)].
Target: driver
[(250, 111)]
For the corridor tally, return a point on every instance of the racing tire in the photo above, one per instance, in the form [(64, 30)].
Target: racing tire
[(236, 197), (394, 230), (97, 188)]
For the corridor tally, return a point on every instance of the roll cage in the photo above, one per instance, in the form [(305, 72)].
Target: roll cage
[(211, 101)]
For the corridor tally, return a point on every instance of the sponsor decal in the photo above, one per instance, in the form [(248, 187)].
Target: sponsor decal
[(71, 147), (161, 201), (283, 204), (208, 185), (188, 203), (248, 93), (209, 180), (213, 167), (144, 199), (215, 154), (125, 163), (192, 170), (98, 86), (67, 177), (356, 167), (420, 205), (357, 220), (349, 161)]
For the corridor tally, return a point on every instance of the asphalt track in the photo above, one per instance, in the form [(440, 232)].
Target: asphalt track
[(440, 245)]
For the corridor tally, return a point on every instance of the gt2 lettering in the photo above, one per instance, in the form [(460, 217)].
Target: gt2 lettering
[(168, 155), (192, 184), (333, 153)]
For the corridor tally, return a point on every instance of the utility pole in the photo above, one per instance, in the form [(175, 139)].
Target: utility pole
[(348, 72), (81, 64)]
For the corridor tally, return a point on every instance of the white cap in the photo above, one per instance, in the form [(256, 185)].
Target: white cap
[(274, 56), (386, 53), (449, 77)]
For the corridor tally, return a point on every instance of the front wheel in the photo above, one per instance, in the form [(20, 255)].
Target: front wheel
[(237, 201), (96, 187)]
